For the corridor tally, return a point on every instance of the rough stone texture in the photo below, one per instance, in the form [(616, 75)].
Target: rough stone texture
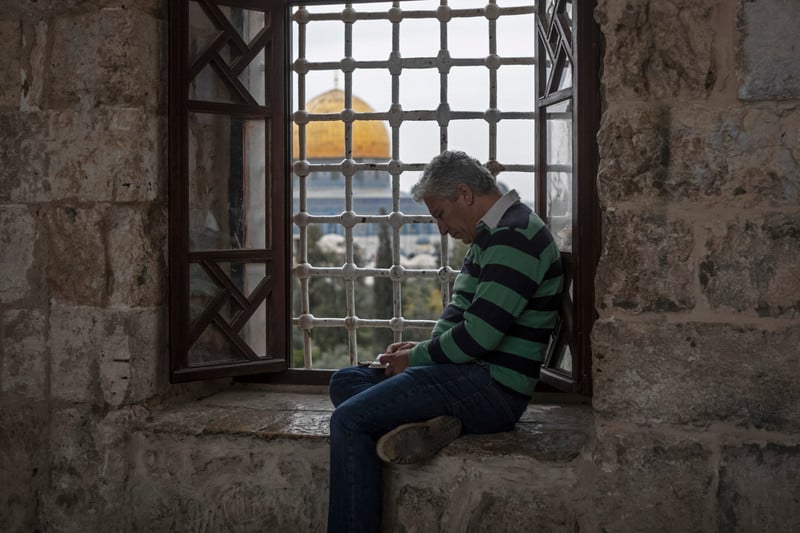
[(9, 63), (114, 154), (771, 63), (747, 495), (104, 356), (109, 65), (74, 246), (695, 371), (23, 462), (23, 343), (754, 265), (646, 263), (136, 253), (17, 238), (652, 482), (743, 155), (697, 374), (659, 49)]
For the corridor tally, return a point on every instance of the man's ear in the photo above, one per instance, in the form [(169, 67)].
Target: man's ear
[(465, 192)]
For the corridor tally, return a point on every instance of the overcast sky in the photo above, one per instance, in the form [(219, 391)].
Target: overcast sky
[(468, 88)]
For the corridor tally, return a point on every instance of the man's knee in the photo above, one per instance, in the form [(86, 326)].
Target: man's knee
[(341, 384)]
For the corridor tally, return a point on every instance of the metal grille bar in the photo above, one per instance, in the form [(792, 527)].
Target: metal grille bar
[(395, 116)]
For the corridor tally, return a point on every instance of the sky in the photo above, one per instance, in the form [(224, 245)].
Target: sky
[(468, 87)]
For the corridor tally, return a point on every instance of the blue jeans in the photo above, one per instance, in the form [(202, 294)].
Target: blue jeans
[(368, 404)]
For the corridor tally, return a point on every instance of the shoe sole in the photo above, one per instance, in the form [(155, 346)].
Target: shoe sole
[(418, 441)]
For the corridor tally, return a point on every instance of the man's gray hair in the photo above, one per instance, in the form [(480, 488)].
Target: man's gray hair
[(447, 170)]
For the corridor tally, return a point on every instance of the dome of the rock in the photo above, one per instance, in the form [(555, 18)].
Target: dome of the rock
[(325, 139)]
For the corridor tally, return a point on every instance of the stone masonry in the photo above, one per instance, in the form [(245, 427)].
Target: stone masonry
[(694, 423)]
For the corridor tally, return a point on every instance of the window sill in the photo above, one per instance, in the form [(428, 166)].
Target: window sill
[(555, 427)]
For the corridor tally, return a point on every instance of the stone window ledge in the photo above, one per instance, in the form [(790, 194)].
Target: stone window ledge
[(547, 431)]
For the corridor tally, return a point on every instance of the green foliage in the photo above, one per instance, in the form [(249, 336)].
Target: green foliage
[(382, 290)]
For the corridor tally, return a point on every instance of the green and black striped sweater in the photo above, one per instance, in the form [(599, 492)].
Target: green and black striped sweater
[(505, 302)]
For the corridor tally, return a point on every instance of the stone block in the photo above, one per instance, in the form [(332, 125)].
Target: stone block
[(103, 154), (770, 64), (34, 58), (758, 488), (136, 257), (73, 502), (112, 56), (746, 156), (23, 343), (753, 266), (226, 483), (73, 242), (659, 49), (10, 63), (651, 482), (18, 9), (759, 147), (634, 151), (492, 493), (652, 373), (23, 461), (105, 357), (646, 263), (18, 232)]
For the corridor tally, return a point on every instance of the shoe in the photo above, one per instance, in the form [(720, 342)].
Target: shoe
[(418, 441)]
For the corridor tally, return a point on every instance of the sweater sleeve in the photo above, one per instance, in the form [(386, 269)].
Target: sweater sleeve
[(507, 278)]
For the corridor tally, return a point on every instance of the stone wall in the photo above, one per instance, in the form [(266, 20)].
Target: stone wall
[(697, 396), (82, 247), (697, 349)]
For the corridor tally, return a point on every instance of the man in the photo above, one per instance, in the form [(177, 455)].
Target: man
[(477, 371)]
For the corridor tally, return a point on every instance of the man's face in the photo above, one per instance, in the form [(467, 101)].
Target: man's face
[(454, 217)]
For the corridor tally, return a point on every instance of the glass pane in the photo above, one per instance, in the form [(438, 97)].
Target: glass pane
[(559, 173), (202, 290), (227, 183), (215, 84), (252, 77), (202, 32), (214, 345), (565, 79), (565, 361)]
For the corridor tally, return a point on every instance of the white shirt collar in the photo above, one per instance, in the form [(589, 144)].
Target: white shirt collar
[(496, 212)]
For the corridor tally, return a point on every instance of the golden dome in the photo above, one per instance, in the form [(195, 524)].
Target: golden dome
[(325, 140)]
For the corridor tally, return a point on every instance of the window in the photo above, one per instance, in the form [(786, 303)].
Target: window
[(296, 131)]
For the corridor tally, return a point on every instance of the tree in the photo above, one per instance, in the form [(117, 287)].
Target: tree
[(382, 289)]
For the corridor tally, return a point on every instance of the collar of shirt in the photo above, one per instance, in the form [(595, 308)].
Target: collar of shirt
[(496, 212)]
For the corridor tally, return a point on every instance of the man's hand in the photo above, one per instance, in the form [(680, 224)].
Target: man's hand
[(396, 357), (397, 346)]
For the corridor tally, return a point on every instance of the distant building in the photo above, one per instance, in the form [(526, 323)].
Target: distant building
[(372, 189)]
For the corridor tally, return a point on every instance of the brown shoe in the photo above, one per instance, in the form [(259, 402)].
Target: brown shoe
[(418, 441)]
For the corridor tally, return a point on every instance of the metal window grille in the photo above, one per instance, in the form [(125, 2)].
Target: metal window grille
[(445, 61)]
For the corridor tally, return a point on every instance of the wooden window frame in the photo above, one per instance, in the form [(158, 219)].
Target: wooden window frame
[(579, 314)]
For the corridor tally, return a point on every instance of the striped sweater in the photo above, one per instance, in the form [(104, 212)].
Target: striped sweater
[(505, 302)]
